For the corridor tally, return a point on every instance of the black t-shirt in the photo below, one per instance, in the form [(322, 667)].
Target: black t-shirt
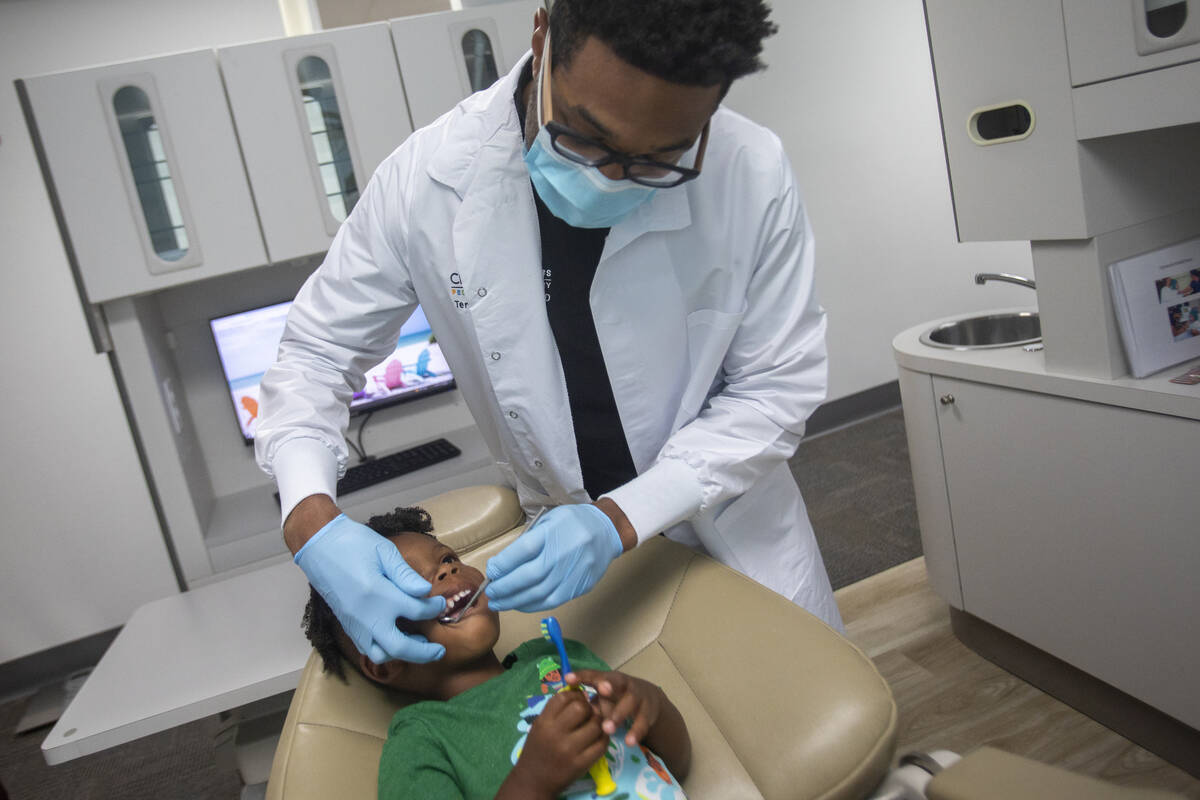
[(570, 257)]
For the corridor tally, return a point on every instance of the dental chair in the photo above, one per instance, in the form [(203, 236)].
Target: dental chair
[(778, 705)]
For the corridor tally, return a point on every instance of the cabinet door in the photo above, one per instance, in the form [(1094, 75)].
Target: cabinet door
[(1106, 39), (990, 60), (448, 55), (147, 171), (1075, 529), (316, 115)]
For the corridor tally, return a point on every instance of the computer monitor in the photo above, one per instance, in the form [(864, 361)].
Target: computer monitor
[(248, 342)]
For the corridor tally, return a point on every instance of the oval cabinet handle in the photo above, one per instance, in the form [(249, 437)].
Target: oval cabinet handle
[(946, 399)]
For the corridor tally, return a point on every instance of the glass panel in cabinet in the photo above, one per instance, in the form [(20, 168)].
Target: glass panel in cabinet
[(328, 132), (151, 170), (480, 59)]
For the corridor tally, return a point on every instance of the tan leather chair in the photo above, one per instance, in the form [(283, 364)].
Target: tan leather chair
[(778, 705)]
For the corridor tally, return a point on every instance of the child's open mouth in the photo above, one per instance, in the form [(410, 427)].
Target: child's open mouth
[(455, 602)]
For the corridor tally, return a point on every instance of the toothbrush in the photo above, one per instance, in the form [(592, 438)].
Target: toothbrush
[(463, 609), (551, 632), (598, 771)]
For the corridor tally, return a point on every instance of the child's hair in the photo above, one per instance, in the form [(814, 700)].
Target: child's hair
[(320, 625)]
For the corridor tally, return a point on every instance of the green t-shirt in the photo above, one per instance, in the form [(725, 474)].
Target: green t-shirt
[(466, 746)]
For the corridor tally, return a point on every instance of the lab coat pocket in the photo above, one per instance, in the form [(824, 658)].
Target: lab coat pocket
[(709, 334)]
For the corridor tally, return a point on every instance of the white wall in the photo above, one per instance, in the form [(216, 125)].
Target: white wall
[(849, 88), (80, 547)]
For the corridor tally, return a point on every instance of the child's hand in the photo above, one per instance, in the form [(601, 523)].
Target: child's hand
[(620, 697), (563, 742)]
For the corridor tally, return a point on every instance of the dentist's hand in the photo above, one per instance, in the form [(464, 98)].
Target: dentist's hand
[(368, 585), (558, 559)]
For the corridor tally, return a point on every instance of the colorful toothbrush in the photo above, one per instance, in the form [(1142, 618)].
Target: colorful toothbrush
[(551, 632), (599, 771)]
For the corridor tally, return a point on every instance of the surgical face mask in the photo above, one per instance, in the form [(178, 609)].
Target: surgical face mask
[(577, 194)]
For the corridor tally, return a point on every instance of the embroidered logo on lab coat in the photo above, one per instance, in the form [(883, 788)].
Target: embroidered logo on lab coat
[(457, 292)]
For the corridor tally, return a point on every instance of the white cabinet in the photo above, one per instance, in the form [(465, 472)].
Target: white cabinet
[(1069, 526), (147, 173), (147, 168), (315, 115), (1032, 157), (998, 56), (446, 56)]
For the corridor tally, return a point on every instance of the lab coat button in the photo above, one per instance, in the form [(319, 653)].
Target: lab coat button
[(537, 464), (513, 414), (482, 292), (495, 356)]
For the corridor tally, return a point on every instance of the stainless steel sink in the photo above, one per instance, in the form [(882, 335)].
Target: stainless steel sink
[(988, 331)]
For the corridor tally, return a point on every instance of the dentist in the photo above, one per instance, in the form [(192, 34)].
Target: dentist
[(620, 274)]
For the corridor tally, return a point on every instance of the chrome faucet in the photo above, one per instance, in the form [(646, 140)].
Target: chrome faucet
[(983, 277)]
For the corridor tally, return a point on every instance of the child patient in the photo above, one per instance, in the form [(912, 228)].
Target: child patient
[(487, 728)]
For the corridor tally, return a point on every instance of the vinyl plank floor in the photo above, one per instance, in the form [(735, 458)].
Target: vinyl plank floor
[(951, 698)]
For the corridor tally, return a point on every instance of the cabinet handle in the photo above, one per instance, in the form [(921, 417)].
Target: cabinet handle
[(946, 399)]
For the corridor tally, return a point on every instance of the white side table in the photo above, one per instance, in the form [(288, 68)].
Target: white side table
[(187, 657)]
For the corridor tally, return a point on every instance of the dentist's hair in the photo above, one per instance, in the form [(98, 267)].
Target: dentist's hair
[(692, 42), (321, 626)]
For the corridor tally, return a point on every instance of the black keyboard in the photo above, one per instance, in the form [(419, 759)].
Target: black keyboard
[(391, 466)]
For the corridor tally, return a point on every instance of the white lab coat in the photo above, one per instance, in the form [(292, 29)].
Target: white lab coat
[(703, 304)]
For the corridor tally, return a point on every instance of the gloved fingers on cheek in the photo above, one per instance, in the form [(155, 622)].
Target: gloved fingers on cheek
[(359, 634), (415, 608), (407, 648), (375, 653), (397, 570)]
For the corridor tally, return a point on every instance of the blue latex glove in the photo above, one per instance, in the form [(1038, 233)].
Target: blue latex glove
[(368, 585), (558, 559)]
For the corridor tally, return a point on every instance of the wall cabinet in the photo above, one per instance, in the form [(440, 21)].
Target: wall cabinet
[(1109, 39), (197, 185), (1035, 155), (315, 115), (1067, 524), (147, 172), (451, 54)]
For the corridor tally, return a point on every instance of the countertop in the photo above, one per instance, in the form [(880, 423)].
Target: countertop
[(1016, 368)]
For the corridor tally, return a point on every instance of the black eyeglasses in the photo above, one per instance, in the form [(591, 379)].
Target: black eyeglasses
[(646, 171), (591, 153)]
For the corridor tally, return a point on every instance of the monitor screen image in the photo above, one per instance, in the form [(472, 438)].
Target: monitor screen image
[(248, 342)]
